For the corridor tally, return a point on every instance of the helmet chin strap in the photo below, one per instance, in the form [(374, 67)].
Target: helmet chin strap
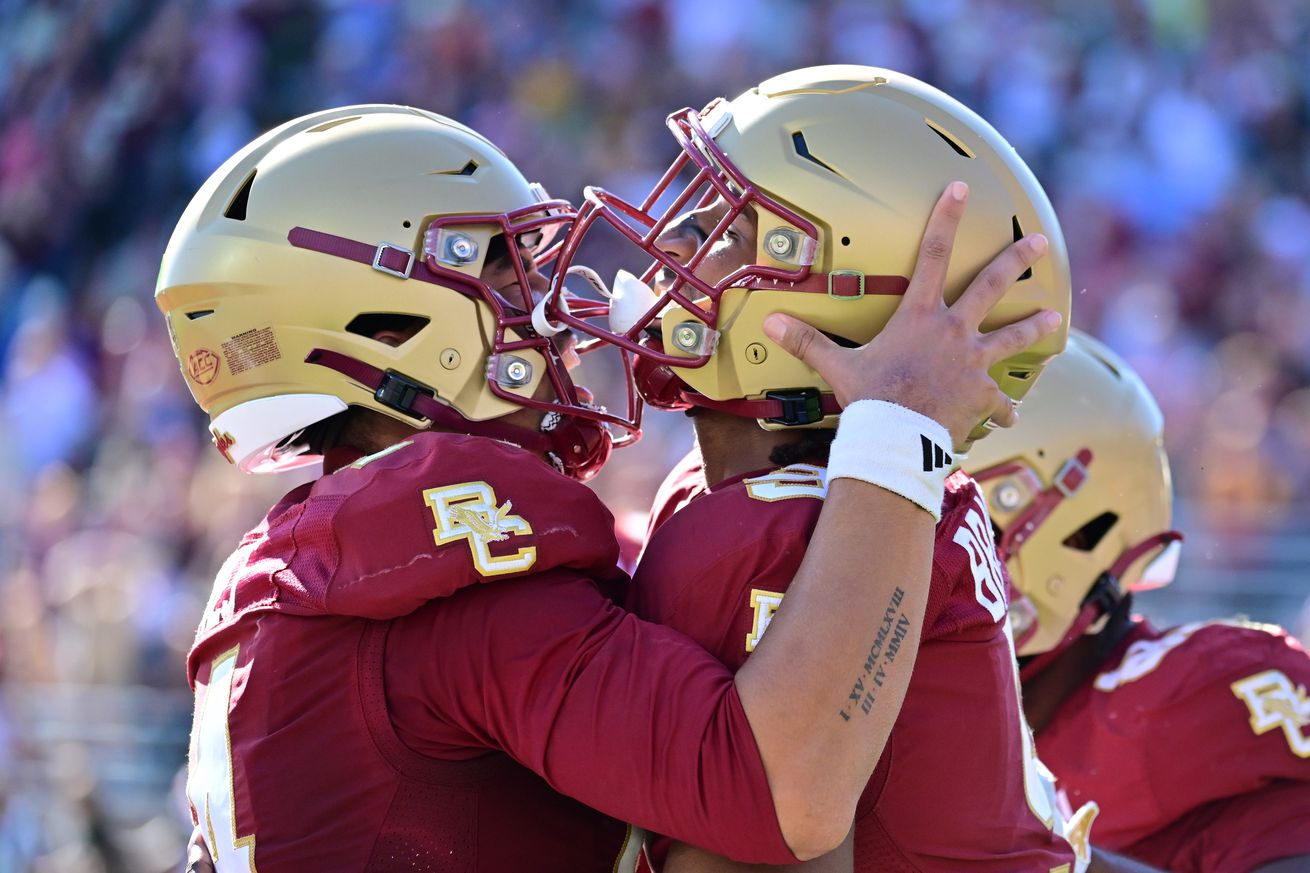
[(1101, 600), (661, 388), (578, 447)]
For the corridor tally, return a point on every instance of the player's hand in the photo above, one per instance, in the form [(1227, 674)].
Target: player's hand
[(931, 357), (198, 859)]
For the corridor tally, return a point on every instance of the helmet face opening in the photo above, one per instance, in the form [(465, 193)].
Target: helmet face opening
[(701, 175), (447, 246)]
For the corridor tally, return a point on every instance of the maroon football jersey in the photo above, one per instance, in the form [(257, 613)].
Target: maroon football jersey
[(1195, 741), (412, 661), (957, 785), (683, 484)]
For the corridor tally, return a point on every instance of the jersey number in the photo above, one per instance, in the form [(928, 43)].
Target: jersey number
[(209, 780), (975, 537), (798, 480)]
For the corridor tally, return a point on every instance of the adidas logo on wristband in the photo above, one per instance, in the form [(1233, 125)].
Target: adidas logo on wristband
[(875, 444), (934, 456)]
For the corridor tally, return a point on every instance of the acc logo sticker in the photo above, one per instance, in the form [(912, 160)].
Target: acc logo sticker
[(1275, 702), (202, 366), (469, 512), (224, 443)]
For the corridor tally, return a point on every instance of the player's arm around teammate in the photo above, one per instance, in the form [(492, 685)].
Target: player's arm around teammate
[(792, 690), (817, 759)]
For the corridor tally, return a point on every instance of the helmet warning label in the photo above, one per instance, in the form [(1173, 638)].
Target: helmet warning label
[(251, 349)]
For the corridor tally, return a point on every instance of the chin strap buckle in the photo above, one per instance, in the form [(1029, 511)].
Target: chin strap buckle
[(399, 392), (393, 260), (799, 406)]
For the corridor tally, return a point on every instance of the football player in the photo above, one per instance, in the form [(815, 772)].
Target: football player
[(806, 195), (416, 661), (1194, 740)]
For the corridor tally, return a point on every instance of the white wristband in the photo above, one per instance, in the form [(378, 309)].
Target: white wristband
[(895, 448)]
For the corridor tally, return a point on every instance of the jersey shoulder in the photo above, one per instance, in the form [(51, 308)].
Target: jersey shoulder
[(767, 506), (435, 513), (1213, 673), (684, 483), (1188, 658), (729, 555)]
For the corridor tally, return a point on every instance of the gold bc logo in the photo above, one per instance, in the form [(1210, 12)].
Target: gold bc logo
[(469, 512), (1274, 703)]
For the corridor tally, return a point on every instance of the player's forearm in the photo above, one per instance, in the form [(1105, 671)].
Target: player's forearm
[(824, 687)]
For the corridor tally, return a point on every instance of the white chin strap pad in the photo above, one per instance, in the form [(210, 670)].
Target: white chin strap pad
[(630, 299), (250, 431)]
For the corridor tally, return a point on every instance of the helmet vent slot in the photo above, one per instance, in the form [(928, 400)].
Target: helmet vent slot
[(1018, 235), (1090, 535), (955, 144), (467, 170), (199, 313), (328, 125), (803, 149), (400, 327), (236, 210)]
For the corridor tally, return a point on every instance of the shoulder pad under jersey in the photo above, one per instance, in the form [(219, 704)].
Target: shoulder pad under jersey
[(433, 514)]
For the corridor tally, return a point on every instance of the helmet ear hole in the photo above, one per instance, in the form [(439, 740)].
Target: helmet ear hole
[(398, 325), (1090, 535)]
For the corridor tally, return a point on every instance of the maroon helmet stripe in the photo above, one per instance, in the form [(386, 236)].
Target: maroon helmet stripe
[(393, 258), (843, 285), (429, 407)]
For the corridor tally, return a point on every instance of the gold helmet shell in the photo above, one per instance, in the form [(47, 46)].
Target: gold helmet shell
[(1079, 488), (842, 166), (330, 220)]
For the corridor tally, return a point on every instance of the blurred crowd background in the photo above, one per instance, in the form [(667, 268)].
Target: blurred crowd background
[(1173, 136)]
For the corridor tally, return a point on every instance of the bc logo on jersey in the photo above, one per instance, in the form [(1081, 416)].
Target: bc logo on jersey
[(1274, 703), (469, 512), (764, 604)]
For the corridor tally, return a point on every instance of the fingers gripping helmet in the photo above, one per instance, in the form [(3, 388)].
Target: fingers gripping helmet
[(842, 166), (1080, 490), (332, 221)]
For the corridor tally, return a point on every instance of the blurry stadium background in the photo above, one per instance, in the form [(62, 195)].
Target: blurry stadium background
[(1173, 136)]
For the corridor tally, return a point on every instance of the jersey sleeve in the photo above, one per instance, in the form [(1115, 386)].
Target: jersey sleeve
[(433, 514), (1234, 835), (629, 717), (685, 481), (1234, 715)]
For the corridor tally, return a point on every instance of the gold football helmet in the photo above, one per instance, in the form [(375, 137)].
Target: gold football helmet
[(335, 222), (1080, 491), (842, 166)]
